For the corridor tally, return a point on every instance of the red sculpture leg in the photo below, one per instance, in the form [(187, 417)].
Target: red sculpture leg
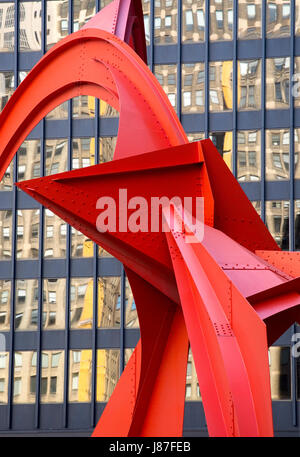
[(232, 366), (149, 398)]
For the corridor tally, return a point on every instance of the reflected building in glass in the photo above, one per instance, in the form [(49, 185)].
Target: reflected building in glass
[(67, 311)]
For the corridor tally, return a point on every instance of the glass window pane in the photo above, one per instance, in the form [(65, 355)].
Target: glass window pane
[(220, 86), (297, 225), (7, 87), (109, 301), (28, 221), (24, 386), (223, 142), (81, 303), (80, 376), (83, 12), (195, 136), (146, 12), (278, 18), (249, 84), (26, 306), (193, 84), (29, 160), (54, 304), (5, 289), (277, 154), (54, 236), (192, 385), (221, 20), (280, 372), (5, 234), (81, 245), (165, 22), (4, 369), (277, 221), (249, 25), (131, 316), (108, 372), (193, 21), (7, 27), (57, 21), (83, 107), (56, 156), (248, 155), (277, 82), (52, 378), (60, 112), (30, 35), (166, 74)]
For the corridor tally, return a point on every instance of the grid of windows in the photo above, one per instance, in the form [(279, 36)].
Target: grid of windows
[(66, 307)]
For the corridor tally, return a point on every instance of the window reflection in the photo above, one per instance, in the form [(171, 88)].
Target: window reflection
[(107, 146), (297, 225), (297, 17), (57, 21), (277, 154), (165, 21), (280, 372), (26, 304), (24, 386), (52, 376), (54, 304), (146, 12), (6, 234), (81, 303), (81, 245), (131, 315), (248, 155), (108, 372), (167, 77), (83, 11), (192, 391), (5, 289), (195, 136), (56, 156), (55, 230), (29, 160), (296, 153), (7, 181), (109, 301), (221, 20), (278, 18), (192, 91), (257, 206), (277, 221), (80, 375), (83, 106), (28, 223), (249, 26), (106, 110), (4, 367), (223, 142), (220, 86), (30, 35), (193, 21), (7, 29), (249, 83), (277, 82), (7, 86), (83, 152), (60, 112)]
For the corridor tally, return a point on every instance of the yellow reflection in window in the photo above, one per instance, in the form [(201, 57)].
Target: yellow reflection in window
[(80, 375), (108, 372)]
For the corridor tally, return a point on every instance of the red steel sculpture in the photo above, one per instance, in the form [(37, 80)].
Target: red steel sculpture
[(229, 295)]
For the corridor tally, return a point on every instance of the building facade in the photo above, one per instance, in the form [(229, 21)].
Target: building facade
[(68, 321)]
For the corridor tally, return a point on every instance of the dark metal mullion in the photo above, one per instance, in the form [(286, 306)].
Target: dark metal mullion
[(95, 278), (234, 88), (179, 71), (122, 319), (206, 69), (151, 26), (291, 152), (263, 114), (41, 244), (292, 208), (14, 233), (68, 254)]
